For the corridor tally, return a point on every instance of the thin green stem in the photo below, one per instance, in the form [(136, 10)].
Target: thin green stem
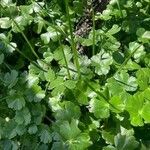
[(7, 66), (118, 4), (126, 60), (61, 31), (66, 63), (93, 20), (24, 36), (26, 39), (99, 94), (32, 62), (73, 45)]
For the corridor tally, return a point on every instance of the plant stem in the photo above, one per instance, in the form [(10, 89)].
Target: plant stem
[(26, 39), (93, 20), (66, 63), (100, 94), (118, 4), (32, 62), (126, 60), (73, 45), (24, 36)]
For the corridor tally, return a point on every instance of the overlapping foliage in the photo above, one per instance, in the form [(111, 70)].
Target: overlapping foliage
[(55, 98)]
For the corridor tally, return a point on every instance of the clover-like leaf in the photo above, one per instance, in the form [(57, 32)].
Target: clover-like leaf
[(129, 83), (75, 139), (146, 35), (100, 108), (70, 130), (16, 102), (10, 79), (109, 147), (81, 142), (38, 112), (146, 112), (108, 137), (125, 142), (52, 34), (118, 104), (21, 21), (23, 116), (32, 129), (134, 106), (115, 29), (102, 62), (67, 111), (35, 93), (139, 50), (61, 52), (5, 23), (45, 136), (143, 78), (57, 85)]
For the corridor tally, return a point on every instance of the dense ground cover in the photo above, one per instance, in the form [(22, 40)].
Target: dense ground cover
[(55, 96)]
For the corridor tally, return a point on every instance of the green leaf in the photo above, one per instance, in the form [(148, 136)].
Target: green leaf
[(11, 47), (35, 93), (146, 35), (69, 130), (80, 143), (115, 29), (134, 106), (10, 79), (100, 108), (1, 58), (16, 102), (50, 75), (102, 62), (32, 80), (38, 112), (45, 37), (109, 147), (87, 42), (108, 137), (57, 85), (45, 136), (22, 21), (118, 103), (6, 2), (54, 103), (115, 88), (78, 7), (23, 116), (118, 57), (58, 145), (37, 6), (59, 56), (140, 32), (106, 14), (41, 24), (32, 129), (10, 129), (125, 142), (67, 111), (81, 96), (146, 112), (48, 56), (129, 83), (143, 78), (5, 23), (52, 34), (70, 84), (139, 52)]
